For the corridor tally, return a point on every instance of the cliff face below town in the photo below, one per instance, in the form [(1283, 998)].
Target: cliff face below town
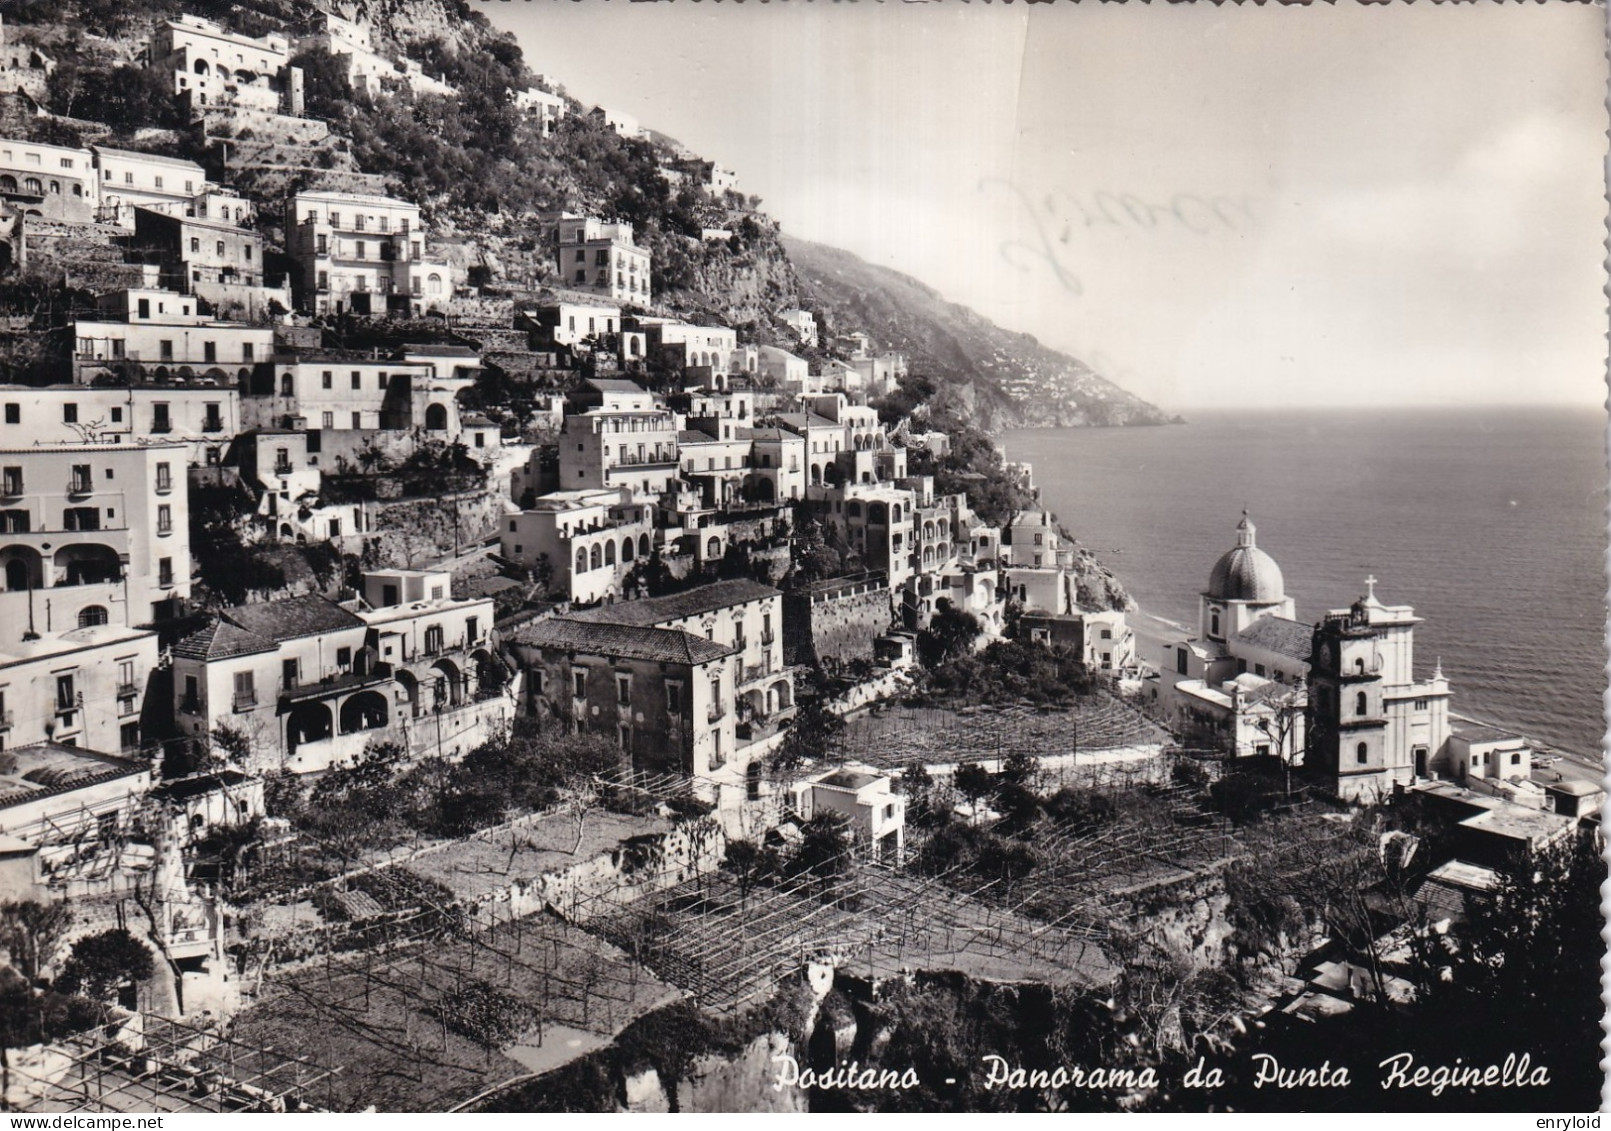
[(1007, 379)]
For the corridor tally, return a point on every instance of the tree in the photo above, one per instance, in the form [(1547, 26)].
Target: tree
[(230, 747), (951, 632), (30, 931), (749, 863), (817, 732), (975, 783), (824, 850), (1283, 725), (100, 964)]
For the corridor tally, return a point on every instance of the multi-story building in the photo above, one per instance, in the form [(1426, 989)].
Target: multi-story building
[(1372, 725), (350, 390), (215, 260), (803, 323), (583, 542), (665, 695), (880, 374), (876, 520), (130, 180), (783, 367), (82, 686), (567, 323), (866, 798), (715, 458), (1101, 639), (547, 108), (777, 470), (94, 533), (159, 334), (601, 258), (362, 254), (743, 614), (211, 66), (632, 446), (353, 45), (206, 417), (681, 345), (52, 181), (824, 438), (310, 683)]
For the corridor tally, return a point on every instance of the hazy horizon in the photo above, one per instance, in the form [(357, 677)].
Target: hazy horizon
[(1383, 204)]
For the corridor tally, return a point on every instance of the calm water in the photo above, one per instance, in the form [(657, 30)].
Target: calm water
[(1492, 523)]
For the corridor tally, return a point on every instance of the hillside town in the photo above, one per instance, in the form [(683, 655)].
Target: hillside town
[(469, 664)]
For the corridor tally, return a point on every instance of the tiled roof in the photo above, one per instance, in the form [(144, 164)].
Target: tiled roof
[(421, 350), (220, 640), (689, 436), (1278, 634), (676, 606), (292, 618), (614, 385), (664, 645)]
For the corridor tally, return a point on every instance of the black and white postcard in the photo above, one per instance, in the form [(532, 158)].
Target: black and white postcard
[(801, 557)]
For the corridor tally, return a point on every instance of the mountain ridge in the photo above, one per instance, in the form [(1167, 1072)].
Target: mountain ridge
[(1007, 378)]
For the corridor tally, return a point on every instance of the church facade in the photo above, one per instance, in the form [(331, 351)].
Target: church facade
[(1339, 697)]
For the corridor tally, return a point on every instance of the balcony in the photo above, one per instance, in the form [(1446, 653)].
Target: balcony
[(5, 720), (78, 488), (158, 427), (282, 469), (127, 690), (767, 639), (11, 488), (212, 424), (336, 684), (715, 714), (164, 486), (190, 706)]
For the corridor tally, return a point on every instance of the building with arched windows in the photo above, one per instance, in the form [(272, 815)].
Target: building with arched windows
[(52, 181), (88, 525), (583, 543), (311, 683)]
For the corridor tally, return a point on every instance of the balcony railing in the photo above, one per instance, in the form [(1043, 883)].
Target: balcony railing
[(12, 488), (715, 714), (5, 720), (125, 690), (160, 426), (68, 706), (164, 486), (190, 705), (212, 424), (335, 684), (282, 469), (76, 486)]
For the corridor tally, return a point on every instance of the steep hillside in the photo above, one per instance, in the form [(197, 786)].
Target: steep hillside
[(1006, 379)]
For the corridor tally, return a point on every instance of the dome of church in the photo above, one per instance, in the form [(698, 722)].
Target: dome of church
[(1246, 573)]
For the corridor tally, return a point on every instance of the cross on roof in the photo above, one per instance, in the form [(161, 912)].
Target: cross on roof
[(1370, 588)]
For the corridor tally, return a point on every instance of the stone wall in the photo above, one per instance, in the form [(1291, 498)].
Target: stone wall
[(838, 625)]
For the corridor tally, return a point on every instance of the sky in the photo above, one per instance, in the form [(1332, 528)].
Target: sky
[(1275, 206)]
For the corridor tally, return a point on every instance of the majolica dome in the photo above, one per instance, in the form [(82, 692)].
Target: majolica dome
[(1246, 573)]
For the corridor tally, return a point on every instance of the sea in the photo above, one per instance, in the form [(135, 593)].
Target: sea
[(1490, 522)]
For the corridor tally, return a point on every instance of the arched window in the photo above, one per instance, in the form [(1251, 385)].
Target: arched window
[(1361, 704), (643, 545), (1359, 666), (581, 560), (1213, 624), (91, 615), (596, 558), (626, 548), (895, 513), (16, 575), (1362, 753), (8, 183), (853, 509), (713, 547), (287, 385), (33, 184), (609, 553), (433, 283), (201, 66)]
